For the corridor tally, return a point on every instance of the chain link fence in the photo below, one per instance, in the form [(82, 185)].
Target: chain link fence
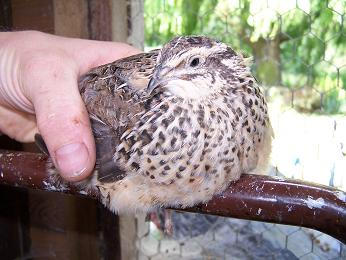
[(299, 51)]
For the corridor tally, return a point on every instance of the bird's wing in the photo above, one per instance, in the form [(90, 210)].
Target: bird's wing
[(112, 95)]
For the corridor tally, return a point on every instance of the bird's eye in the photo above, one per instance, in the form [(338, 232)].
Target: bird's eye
[(194, 62)]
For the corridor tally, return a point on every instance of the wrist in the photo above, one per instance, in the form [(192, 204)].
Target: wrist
[(11, 94)]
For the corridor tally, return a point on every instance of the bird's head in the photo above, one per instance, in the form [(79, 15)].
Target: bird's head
[(195, 67)]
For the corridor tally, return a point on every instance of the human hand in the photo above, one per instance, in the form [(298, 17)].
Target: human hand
[(39, 93)]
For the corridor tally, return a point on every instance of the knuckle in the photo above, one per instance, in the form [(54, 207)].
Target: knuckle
[(37, 61), (41, 64)]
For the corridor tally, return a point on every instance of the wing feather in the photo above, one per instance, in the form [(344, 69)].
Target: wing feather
[(112, 94)]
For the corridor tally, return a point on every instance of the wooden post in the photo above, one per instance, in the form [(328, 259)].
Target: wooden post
[(71, 18), (136, 31), (119, 20)]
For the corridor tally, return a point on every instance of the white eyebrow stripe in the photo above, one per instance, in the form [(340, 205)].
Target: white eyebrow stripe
[(204, 51)]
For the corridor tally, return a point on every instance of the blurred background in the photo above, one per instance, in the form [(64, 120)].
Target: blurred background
[(299, 52)]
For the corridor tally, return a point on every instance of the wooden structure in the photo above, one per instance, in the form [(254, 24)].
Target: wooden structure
[(39, 224)]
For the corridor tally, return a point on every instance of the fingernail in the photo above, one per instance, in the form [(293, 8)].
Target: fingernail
[(72, 159)]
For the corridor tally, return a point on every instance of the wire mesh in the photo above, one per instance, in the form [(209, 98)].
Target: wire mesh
[(210, 237), (299, 51)]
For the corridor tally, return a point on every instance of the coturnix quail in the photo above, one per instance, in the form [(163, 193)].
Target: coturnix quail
[(175, 126)]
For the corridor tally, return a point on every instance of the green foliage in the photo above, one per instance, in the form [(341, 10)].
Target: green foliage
[(334, 102), (189, 13), (166, 19), (295, 44), (265, 69)]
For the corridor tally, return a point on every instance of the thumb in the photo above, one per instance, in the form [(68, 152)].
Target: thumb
[(63, 121)]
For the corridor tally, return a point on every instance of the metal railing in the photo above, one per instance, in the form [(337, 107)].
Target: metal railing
[(253, 197)]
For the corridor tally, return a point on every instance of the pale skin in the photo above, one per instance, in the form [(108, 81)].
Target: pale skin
[(39, 94)]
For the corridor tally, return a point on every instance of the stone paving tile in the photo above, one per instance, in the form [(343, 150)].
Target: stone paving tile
[(169, 247), (149, 245), (191, 249)]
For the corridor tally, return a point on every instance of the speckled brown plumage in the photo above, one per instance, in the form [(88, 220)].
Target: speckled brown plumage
[(174, 126)]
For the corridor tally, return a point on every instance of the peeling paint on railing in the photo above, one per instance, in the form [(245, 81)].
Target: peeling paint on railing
[(252, 197)]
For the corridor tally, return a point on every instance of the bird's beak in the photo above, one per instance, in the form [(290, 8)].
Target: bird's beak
[(158, 79), (153, 84)]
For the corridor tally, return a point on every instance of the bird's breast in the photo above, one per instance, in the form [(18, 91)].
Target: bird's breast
[(180, 142)]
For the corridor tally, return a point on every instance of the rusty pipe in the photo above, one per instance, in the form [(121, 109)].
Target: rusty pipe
[(252, 197)]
